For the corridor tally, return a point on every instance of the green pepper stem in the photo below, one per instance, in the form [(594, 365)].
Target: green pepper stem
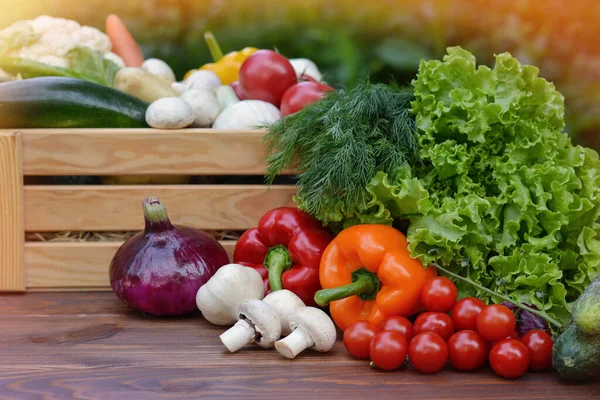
[(364, 284), (501, 296), (215, 50), (276, 262)]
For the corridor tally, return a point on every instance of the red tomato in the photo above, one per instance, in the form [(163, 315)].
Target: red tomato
[(266, 75), (388, 350), (298, 96), (237, 89), (306, 78), (358, 336), (465, 312), (509, 358), (439, 294), (496, 322), (398, 324), (467, 350), (513, 335), (439, 323), (428, 352), (539, 344)]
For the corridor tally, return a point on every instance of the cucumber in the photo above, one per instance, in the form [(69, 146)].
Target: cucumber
[(576, 356), (58, 102), (586, 310)]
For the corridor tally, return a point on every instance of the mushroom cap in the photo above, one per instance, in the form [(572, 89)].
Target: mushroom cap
[(284, 302), (317, 324), (264, 319), (219, 299)]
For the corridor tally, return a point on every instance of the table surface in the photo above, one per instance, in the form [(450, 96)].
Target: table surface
[(91, 346)]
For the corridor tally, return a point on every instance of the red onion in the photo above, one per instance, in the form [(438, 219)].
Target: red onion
[(527, 321), (159, 271)]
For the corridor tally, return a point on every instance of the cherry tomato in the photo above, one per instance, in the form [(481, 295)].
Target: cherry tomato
[(266, 75), (513, 335), (388, 350), (358, 336), (439, 294), (539, 344), (398, 324), (465, 312), (509, 358), (496, 322), (299, 95), (467, 350), (428, 352), (439, 323)]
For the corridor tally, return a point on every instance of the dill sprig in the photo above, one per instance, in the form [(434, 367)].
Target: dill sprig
[(338, 143)]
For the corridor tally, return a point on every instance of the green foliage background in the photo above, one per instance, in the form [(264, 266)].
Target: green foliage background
[(382, 38)]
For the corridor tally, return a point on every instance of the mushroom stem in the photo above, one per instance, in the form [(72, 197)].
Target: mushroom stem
[(295, 343), (238, 335)]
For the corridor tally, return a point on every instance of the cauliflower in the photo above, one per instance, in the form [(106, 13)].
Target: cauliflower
[(48, 40)]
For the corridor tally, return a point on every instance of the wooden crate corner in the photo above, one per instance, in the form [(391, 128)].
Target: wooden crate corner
[(12, 235), (42, 208)]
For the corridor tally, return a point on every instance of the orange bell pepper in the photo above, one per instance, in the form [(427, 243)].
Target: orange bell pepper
[(367, 273)]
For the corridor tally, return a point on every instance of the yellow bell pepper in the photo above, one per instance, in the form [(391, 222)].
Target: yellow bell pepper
[(227, 67)]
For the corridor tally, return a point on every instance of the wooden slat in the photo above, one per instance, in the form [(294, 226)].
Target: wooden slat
[(11, 213), (114, 208), (72, 266), (143, 151)]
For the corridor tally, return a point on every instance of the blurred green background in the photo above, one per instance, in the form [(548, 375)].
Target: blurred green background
[(383, 38)]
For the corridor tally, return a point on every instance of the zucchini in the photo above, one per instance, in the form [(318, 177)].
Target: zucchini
[(576, 356), (59, 102)]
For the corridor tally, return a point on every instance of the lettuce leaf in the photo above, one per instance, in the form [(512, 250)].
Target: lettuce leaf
[(501, 195), (84, 63)]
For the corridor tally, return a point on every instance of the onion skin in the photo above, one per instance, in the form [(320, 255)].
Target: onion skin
[(159, 271)]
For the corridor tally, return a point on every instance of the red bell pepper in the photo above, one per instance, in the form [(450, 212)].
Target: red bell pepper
[(286, 250)]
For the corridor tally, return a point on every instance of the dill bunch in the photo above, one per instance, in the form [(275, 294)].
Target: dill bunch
[(339, 143)]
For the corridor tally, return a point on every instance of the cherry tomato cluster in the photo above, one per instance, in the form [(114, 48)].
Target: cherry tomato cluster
[(269, 76), (470, 336)]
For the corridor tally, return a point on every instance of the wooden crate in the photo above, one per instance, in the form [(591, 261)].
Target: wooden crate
[(54, 266)]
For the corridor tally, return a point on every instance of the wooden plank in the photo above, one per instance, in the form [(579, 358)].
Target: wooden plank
[(116, 208), (90, 345), (12, 234), (49, 304), (72, 266), (251, 379), (143, 151)]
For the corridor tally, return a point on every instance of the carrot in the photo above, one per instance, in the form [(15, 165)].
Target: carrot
[(124, 44)]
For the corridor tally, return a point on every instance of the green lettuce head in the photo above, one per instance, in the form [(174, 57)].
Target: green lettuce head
[(501, 195)]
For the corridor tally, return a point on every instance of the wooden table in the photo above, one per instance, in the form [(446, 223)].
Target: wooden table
[(90, 346)]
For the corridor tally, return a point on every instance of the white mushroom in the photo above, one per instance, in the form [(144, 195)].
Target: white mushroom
[(169, 113), (202, 79), (258, 323), (204, 104), (159, 68), (284, 302), (219, 299), (311, 329), (179, 87)]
